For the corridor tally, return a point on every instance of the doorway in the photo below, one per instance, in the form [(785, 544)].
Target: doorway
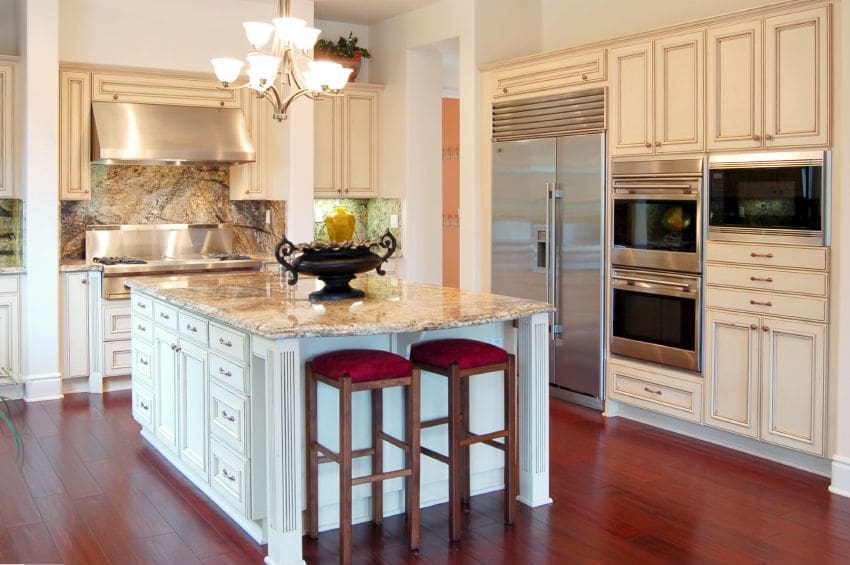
[(451, 192)]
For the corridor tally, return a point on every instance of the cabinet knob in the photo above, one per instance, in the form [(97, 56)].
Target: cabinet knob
[(84, 281), (221, 103), (768, 137), (115, 97), (583, 77), (648, 145), (754, 327), (756, 137), (658, 144), (504, 91), (765, 329)]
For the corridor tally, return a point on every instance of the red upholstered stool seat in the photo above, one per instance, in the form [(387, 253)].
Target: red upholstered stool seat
[(467, 353), (362, 365)]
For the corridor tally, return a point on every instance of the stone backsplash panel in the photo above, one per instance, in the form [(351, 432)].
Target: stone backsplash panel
[(371, 216), (11, 232), (143, 194)]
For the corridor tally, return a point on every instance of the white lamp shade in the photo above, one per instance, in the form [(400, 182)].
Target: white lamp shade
[(258, 33), (305, 38), (339, 78), (287, 28), (322, 74), (255, 81), (226, 68), (264, 66)]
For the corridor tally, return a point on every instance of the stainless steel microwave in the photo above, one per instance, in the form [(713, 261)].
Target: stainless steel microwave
[(770, 197)]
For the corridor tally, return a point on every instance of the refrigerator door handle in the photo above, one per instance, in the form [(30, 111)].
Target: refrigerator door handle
[(548, 244), (553, 257)]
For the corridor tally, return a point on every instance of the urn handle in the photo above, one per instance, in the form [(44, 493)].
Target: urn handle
[(389, 243), (281, 250)]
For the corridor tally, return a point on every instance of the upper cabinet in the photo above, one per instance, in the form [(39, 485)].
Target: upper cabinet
[(657, 102), (797, 78), (250, 181), (347, 143), (74, 135), (735, 86), (7, 130), (153, 88), (550, 75)]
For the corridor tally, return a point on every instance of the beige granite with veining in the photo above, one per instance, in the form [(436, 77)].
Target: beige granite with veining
[(12, 270), (263, 304), (77, 266)]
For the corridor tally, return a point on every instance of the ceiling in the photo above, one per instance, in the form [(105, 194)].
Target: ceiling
[(365, 12)]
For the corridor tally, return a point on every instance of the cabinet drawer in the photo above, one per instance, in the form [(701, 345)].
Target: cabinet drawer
[(141, 305), (660, 393), (116, 321), (142, 359), (229, 476), (117, 358), (757, 254), (8, 285), (767, 303), (143, 405), (153, 88), (550, 74), (192, 327), (229, 342), (165, 315), (228, 373), (142, 329), (229, 418), (767, 279)]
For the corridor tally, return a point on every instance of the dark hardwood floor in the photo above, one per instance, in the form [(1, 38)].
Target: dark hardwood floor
[(92, 492)]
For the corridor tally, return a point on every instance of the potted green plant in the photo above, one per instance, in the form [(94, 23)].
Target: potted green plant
[(7, 380), (344, 51)]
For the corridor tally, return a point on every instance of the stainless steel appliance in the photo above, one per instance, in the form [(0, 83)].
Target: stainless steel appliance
[(656, 316), (770, 197), (126, 251), (656, 209), (547, 229)]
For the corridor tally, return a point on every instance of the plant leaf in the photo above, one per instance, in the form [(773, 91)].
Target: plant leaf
[(19, 444)]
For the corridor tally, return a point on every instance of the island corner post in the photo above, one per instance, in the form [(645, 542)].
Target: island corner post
[(285, 428)]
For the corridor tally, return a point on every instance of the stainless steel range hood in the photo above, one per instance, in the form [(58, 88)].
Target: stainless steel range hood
[(154, 134)]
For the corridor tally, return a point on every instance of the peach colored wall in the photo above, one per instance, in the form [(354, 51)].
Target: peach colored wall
[(451, 192)]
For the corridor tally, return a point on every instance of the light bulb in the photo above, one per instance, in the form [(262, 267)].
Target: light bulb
[(258, 33), (226, 68), (287, 28)]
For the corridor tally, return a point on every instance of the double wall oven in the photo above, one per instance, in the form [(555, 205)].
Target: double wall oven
[(656, 255)]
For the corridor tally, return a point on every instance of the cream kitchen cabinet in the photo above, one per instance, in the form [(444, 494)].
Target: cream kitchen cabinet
[(165, 387), (10, 325), (76, 325), (74, 135), (193, 402), (7, 129), (797, 78), (162, 88), (250, 180), (347, 143), (657, 101), (550, 74), (734, 78)]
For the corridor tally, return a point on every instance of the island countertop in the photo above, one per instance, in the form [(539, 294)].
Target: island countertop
[(265, 305)]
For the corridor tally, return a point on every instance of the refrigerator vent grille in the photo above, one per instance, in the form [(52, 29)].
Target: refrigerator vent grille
[(550, 116)]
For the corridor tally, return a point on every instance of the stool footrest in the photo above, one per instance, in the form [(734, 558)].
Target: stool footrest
[(483, 438), (434, 455), (329, 456), (434, 422), (381, 477), (394, 441)]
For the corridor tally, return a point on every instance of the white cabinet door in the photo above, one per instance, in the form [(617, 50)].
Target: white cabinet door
[(7, 130), (360, 144), (734, 72), (327, 164), (679, 96), (166, 382), (797, 78), (9, 334), (249, 181), (631, 108), (74, 135), (193, 402), (792, 406), (732, 371), (76, 326)]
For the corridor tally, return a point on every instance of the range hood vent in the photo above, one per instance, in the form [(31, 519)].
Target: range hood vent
[(156, 134)]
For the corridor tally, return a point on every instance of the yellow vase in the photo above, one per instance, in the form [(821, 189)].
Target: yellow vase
[(340, 225)]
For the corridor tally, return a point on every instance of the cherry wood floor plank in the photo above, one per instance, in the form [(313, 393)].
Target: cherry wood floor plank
[(167, 549), (40, 477), (7, 550), (235, 558), (111, 531), (33, 544), (17, 507), (68, 466), (69, 532)]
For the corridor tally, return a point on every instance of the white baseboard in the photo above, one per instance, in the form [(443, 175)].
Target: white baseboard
[(840, 476), (803, 461), (46, 386)]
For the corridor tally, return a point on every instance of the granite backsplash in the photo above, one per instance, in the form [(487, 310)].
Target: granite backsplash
[(371, 216), (143, 194), (11, 232)]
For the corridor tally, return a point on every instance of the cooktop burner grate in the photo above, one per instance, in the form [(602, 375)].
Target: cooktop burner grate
[(119, 261)]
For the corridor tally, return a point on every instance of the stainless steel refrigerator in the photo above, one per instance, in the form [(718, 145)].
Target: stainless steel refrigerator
[(548, 220)]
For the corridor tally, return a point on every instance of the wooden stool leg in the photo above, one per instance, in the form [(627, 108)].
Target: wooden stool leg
[(464, 454), (312, 455), (345, 471), (412, 487), (378, 457), (511, 440), (454, 453)]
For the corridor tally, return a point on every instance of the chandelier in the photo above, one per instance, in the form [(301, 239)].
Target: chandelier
[(278, 75)]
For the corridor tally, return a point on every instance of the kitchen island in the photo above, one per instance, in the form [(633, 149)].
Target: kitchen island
[(218, 376)]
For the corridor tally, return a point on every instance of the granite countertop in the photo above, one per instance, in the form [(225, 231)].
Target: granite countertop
[(77, 266), (12, 270), (263, 304)]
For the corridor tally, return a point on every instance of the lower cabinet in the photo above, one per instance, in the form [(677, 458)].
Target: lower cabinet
[(165, 378), (765, 378), (76, 326), (192, 400), (679, 396)]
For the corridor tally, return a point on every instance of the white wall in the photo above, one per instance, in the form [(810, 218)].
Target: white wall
[(8, 34), (567, 23), (332, 31)]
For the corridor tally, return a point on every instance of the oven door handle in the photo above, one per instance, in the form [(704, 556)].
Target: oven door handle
[(657, 186), (688, 195), (684, 287)]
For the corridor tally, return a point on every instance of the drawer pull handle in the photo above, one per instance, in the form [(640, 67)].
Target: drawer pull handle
[(164, 316), (652, 390), (227, 416), (144, 406), (762, 279), (228, 476), (221, 371), (225, 343), (141, 305), (762, 255), (760, 303), (141, 328), (192, 329), (143, 362)]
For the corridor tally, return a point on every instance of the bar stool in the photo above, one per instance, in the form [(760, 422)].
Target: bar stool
[(350, 371), (459, 359)]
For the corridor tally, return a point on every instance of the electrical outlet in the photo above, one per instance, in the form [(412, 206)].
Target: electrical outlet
[(393, 220), (268, 217)]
